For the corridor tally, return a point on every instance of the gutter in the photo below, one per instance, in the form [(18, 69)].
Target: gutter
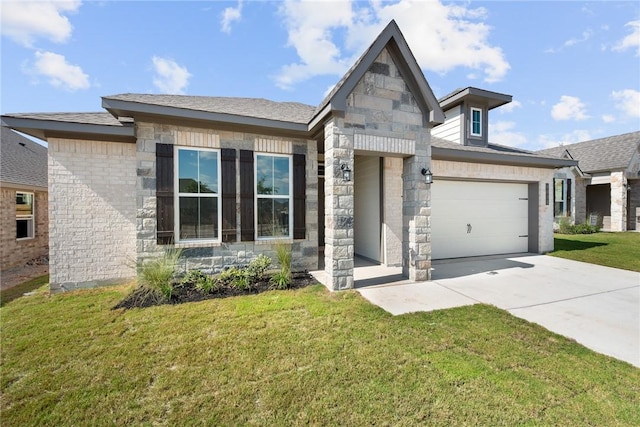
[(439, 153)]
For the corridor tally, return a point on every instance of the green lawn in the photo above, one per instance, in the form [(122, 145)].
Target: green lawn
[(305, 357), (619, 250), (17, 291)]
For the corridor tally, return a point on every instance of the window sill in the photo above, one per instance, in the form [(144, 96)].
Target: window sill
[(273, 240), (205, 244), (22, 239)]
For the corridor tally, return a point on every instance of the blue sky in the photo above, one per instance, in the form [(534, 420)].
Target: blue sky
[(573, 68)]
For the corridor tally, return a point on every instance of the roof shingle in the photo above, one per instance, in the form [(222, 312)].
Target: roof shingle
[(22, 161)]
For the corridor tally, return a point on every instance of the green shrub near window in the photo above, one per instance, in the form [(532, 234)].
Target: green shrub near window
[(566, 227)]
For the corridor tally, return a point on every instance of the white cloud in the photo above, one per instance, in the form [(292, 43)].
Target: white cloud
[(608, 118), (508, 108), (59, 72), (631, 41), (628, 101), (586, 35), (501, 132), (442, 37), (229, 15), (549, 141), (24, 21), (170, 77), (569, 108)]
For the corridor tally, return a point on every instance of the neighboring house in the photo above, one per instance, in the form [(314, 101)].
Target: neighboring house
[(23, 200), (606, 182), (227, 178)]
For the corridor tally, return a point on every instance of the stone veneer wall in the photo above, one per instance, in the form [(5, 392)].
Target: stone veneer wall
[(382, 118), (208, 257), (92, 211), (618, 201), (580, 200), (18, 252), (634, 204), (392, 205), (443, 169)]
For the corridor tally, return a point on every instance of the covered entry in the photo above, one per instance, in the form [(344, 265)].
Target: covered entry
[(470, 218)]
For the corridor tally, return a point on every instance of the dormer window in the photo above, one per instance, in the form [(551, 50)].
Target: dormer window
[(476, 121)]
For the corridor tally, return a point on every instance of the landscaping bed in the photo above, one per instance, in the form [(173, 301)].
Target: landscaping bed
[(142, 297)]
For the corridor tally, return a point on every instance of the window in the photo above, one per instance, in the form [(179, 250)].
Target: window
[(197, 207), (559, 192), (476, 122), (24, 216), (273, 196)]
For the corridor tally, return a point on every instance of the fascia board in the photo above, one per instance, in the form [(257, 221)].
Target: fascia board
[(45, 128), (438, 153)]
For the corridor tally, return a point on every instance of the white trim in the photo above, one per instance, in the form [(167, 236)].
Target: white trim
[(31, 217), (177, 194), (289, 197), (471, 132)]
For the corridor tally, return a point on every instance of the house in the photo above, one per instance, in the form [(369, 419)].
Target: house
[(225, 179), (23, 200), (604, 186)]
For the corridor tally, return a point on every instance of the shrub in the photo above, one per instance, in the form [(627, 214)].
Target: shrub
[(564, 226), (157, 274), (235, 277), (282, 279), (257, 267), (200, 281)]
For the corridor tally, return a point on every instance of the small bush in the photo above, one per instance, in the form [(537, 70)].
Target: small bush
[(157, 274), (257, 267), (280, 280), (236, 278), (200, 281), (565, 227)]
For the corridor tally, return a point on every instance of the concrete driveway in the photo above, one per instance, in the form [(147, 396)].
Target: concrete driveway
[(597, 306)]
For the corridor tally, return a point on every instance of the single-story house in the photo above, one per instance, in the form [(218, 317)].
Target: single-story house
[(604, 187), (225, 179), (24, 222)]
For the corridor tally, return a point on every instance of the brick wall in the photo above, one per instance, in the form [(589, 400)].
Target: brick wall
[(214, 257), (92, 212), (17, 252)]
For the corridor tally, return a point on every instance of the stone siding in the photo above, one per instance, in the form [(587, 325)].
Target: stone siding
[(580, 200), (16, 252), (214, 257), (634, 204), (92, 212), (443, 169), (392, 206), (382, 118), (618, 201)]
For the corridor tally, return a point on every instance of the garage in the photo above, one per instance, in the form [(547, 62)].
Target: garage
[(470, 218)]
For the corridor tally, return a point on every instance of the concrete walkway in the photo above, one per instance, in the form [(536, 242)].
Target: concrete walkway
[(597, 306)]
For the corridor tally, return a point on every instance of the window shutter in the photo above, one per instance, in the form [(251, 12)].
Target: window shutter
[(299, 192), (247, 228), (164, 193), (568, 209), (228, 170)]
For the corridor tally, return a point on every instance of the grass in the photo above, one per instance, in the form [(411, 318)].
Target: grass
[(304, 357), (17, 291), (618, 250)]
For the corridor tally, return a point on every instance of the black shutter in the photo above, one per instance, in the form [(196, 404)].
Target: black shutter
[(568, 197), (164, 193), (228, 169), (299, 192), (247, 229)]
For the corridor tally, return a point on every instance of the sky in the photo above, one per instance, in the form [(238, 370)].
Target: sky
[(573, 68)]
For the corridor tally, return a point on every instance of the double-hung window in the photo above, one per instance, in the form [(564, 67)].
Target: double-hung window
[(24, 215), (476, 121), (559, 197), (198, 205), (273, 196)]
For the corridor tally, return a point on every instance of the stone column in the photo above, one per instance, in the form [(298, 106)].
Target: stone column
[(618, 201), (416, 213), (339, 235)]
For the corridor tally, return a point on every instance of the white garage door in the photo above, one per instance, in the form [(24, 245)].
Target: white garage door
[(478, 218)]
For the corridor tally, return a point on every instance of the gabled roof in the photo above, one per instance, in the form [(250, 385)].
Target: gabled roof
[(491, 99), (23, 161), (245, 111), (441, 149), (600, 155), (392, 39)]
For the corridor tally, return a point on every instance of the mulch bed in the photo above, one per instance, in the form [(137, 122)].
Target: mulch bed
[(142, 297)]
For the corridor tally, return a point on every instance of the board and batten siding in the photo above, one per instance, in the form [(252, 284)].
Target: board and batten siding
[(451, 128)]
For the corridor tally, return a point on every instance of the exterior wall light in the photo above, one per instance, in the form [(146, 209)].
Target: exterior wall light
[(428, 176), (346, 172)]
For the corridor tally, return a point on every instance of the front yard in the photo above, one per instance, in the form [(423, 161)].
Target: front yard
[(618, 250), (296, 358)]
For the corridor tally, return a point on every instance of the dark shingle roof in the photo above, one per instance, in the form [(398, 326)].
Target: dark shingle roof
[(97, 118), (293, 112), (22, 161), (604, 154), (492, 148)]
